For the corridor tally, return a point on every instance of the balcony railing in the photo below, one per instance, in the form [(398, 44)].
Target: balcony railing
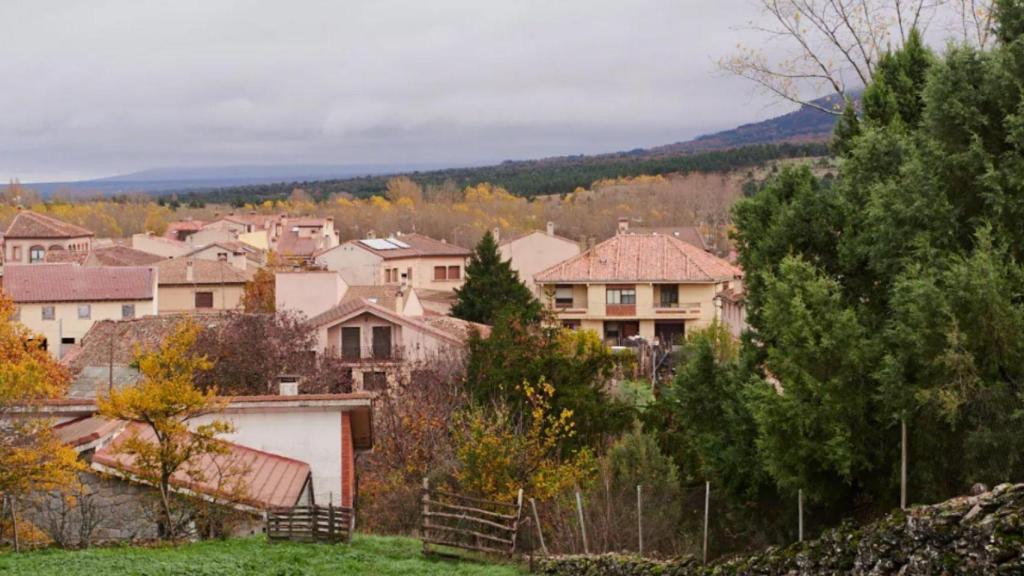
[(678, 307), (366, 354)]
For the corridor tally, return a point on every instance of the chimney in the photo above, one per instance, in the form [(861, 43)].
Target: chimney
[(189, 274), (551, 229), (400, 297), (288, 385), (496, 232), (623, 225), (370, 235)]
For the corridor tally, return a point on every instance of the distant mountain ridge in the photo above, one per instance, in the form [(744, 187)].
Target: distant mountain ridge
[(804, 131)]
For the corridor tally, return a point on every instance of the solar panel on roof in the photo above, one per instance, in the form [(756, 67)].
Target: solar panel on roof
[(398, 243), (378, 244)]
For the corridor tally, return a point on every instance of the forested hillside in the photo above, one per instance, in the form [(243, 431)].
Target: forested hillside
[(529, 178)]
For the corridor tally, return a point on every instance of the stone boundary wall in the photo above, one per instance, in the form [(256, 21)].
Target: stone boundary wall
[(977, 535)]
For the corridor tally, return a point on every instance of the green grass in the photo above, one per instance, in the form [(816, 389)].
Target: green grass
[(371, 555)]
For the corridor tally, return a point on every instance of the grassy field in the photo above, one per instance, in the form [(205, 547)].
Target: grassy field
[(366, 555)]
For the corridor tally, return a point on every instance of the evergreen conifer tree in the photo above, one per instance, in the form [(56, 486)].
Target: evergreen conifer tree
[(492, 288)]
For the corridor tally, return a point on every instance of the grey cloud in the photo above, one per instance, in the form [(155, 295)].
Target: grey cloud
[(101, 87)]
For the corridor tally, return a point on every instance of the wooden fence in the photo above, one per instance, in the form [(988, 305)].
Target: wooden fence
[(469, 523), (310, 524)]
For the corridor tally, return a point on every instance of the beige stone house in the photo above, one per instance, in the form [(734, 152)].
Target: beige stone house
[(535, 251), (238, 254), (406, 259), (298, 240), (374, 333), (61, 302), (197, 285), (31, 235), (377, 345), (638, 285), (160, 246)]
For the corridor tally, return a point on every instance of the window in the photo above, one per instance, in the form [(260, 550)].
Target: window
[(440, 273), (16, 253), (67, 341), (669, 296), (375, 381), (408, 275), (563, 296), (128, 311), (620, 296), (204, 299), (48, 313), (84, 311), (382, 341), (36, 254), (454, 272), (350, 343)]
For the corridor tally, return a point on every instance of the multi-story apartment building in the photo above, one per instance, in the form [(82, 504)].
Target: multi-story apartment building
[(638, 285)]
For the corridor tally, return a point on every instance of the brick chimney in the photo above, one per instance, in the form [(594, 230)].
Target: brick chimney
[(189, 273), (623, 225), (551, 228), (496, 232)]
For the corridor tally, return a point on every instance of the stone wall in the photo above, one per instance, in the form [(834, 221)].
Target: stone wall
[(102, 509), (977, 535)]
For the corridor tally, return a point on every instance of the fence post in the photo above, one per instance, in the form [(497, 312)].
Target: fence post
[(639, 520), (903, 463), (515, 527), (330, 522), (800, 511), (426, 513), (583, 526), (540, 533), (707, 507)]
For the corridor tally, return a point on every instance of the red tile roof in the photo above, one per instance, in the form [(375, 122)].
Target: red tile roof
[(175, 272), (64, 257), (641, 258), (72, 283), (174, 228), (350, 308), (267, 480), (86, 429), (35, 225), (119, 256), (688, 234), (419, 245)]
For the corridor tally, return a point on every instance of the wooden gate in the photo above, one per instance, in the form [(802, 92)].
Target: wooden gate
[(469, 523), (310, 524)]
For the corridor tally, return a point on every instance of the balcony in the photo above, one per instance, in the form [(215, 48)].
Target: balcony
[(678, 309), (366, 354), (626, 310)]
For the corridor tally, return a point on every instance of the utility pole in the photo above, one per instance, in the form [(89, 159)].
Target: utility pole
[(903, 463)]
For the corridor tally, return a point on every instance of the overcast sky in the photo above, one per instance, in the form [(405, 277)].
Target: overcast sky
[(104, 87)]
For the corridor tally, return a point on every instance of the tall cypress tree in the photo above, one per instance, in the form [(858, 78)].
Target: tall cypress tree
[(492, 288)]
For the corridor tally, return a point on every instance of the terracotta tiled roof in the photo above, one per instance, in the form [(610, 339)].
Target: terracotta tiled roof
[(175, 272), (86, 429), (144, 332), (120, 256), (385, 296), (291, 244), (456, 326), (419, 245), (357, 306), (641, 258), (35, 225), (72, 283), (268, 480), (65, 257), (688, 234), (183, 226)]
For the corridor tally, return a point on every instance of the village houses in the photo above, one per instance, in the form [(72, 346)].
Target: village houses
[(190, 284), (31, 235), (652, 286), (404, 259), (61, 302), (376, 333)]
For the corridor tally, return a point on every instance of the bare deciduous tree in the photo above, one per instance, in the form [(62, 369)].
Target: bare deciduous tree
[(831, 46)]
